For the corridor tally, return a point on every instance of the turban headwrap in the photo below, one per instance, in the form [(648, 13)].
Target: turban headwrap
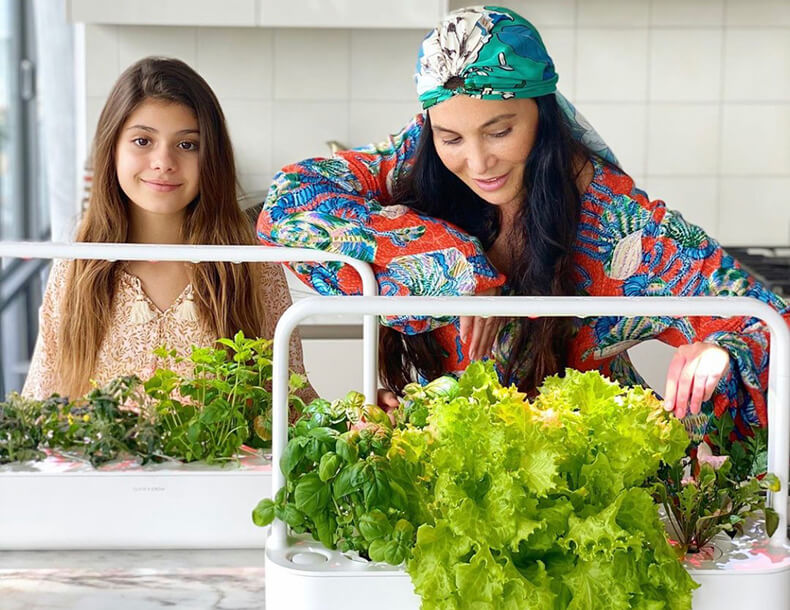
[(489, 52)]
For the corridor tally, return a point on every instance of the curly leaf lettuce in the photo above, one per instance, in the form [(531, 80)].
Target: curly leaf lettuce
[(540, 505)]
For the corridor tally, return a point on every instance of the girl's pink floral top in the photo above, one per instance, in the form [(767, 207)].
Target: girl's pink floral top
[(127, 348)]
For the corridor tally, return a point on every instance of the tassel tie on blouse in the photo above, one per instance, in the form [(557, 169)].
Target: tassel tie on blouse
[(141, 313)]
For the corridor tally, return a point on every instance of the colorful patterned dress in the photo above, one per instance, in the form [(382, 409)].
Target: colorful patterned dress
[(626, 245)]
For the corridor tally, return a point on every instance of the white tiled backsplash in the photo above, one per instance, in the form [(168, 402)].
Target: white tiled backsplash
[(693, 95)]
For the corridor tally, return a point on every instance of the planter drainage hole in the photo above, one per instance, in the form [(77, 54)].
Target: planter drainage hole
[(308, 558)]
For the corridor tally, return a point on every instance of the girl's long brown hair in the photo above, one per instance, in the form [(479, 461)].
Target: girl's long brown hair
[(225, 294)]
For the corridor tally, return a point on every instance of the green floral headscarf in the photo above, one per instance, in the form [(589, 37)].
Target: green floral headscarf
[(490, 52)]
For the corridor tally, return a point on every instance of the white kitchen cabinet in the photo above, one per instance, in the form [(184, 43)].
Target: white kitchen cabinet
[(421, 14), (164, 12), (351, 13)]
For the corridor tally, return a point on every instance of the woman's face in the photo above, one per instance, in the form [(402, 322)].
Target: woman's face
[(486, 144), (156, 157)]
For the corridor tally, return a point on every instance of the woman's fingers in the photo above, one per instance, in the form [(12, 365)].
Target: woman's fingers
[(685, 385), (699, 383), (673, 376), (711, 382), (465, 327), (477, 334), (484, 332), (478, 331), (387, 400), (692, 377), (489, 336)]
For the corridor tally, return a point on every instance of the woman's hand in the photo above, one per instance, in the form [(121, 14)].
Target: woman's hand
[(387, 400), (692, 377), (480, 331)]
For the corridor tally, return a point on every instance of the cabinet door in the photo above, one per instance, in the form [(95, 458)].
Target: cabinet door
[(163, 12), (422, 14)]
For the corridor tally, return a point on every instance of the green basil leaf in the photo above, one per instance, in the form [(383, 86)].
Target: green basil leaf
[(311, 494), (294, 452), (293, 516), (346, 447), (328, 466), (347, 481), (376, 489), (377, 549), (263, 513), (374, 524)]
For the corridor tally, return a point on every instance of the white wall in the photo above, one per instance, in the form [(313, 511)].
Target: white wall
[(693, 95)]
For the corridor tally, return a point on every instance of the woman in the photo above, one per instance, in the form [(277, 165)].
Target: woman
[(500, 154)]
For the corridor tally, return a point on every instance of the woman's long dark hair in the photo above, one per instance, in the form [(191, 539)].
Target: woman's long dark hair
[(544, 231)]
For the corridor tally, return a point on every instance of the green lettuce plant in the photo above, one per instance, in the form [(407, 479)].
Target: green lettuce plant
[(493, 501)]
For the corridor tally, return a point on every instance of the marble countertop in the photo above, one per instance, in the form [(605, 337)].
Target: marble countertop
[(132, 580)]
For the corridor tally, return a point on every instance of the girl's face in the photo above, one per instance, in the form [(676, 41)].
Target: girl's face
[(486, 144), (156, 157)]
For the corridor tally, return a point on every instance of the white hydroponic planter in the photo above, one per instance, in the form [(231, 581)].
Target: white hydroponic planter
[(752, 572), (61, 504)]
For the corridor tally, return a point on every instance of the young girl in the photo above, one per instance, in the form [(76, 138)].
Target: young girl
[(541, 205), (163, 174)]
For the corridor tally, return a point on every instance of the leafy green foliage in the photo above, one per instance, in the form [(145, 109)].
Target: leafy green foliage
[(748, 457), (701, 505), (20, 432), (100, 428), (490, 500), (541, 504), (710, 494), (225, 403), (341, 486), (96, 426), (208, 415)]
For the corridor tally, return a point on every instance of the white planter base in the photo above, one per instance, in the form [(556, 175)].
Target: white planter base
[(743, 573), (305, 575), (56, 504)]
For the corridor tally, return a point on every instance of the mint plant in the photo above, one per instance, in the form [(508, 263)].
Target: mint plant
[(225, 403)]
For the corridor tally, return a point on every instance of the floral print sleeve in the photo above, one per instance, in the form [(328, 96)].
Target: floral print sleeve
[(340, 204), (630, 246)]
